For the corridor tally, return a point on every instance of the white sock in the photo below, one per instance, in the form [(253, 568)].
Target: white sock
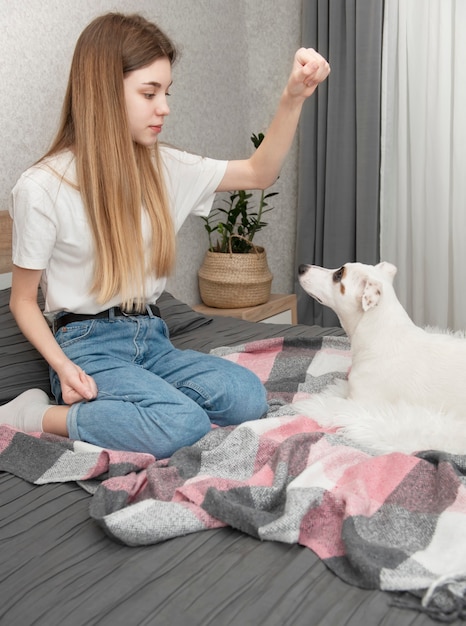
[(26, 411)]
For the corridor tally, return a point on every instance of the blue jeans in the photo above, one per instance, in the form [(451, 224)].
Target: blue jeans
[(152, 397)]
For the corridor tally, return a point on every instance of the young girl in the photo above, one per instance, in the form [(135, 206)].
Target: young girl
[(94, 224)]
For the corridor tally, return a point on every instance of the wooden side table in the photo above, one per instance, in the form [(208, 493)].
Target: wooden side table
[(280, 309)]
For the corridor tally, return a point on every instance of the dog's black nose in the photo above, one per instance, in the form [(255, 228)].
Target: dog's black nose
[(302, 269)]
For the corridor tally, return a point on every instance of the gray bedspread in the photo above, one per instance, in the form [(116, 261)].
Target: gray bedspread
[(59, 567)]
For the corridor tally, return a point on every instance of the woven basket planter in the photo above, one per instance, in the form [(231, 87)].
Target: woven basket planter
[(232, 281)]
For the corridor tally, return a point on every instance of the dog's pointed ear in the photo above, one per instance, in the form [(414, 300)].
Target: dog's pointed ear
[(388, 269), (371, 294)]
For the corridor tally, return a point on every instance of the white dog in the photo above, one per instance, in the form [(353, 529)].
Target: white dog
[(406, 390)]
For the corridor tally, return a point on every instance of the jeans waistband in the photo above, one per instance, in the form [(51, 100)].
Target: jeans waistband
[(116, 311)]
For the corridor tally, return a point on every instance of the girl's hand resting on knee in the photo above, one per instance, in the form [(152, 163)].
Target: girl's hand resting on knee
[(76, 385)]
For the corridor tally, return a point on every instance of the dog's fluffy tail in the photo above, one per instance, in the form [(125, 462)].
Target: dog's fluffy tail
[(386, 428)]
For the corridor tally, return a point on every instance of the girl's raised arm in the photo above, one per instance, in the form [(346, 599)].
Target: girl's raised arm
[(263, 167)]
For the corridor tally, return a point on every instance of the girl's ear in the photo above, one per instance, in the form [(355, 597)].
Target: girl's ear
[(371, 294)]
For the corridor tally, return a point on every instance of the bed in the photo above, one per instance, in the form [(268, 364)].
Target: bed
[(98, 537)]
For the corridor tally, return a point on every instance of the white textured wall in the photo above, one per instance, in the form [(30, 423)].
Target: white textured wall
[(236, 55)]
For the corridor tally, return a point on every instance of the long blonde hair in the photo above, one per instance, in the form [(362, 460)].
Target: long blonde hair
[(116, 176)]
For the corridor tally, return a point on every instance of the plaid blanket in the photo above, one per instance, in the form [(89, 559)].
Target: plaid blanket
[(393, 522)]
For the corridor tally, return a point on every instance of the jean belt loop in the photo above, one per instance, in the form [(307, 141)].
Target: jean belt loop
[(111, 314), (149, 311)]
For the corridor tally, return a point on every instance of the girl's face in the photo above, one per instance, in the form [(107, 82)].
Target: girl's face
[(146, 91)]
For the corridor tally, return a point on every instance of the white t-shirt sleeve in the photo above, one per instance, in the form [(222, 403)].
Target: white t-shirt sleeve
[(191, 182), (51, 233), (34, 218)]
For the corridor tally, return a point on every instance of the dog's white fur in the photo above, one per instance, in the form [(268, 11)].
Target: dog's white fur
[(406, 390)]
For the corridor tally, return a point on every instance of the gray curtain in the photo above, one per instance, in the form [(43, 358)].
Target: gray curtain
[(339, 144)]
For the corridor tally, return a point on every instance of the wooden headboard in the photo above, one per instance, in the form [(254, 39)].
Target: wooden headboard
[(5, 242)]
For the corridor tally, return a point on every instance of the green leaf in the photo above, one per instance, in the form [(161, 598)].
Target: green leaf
[(239, 217)]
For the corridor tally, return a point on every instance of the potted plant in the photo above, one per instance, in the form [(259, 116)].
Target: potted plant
[(235, 272)]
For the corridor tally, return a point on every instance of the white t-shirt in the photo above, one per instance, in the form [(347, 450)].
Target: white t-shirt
[(51, 230)]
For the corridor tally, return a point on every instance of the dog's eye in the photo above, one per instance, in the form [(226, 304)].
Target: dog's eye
[(338, 274)]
